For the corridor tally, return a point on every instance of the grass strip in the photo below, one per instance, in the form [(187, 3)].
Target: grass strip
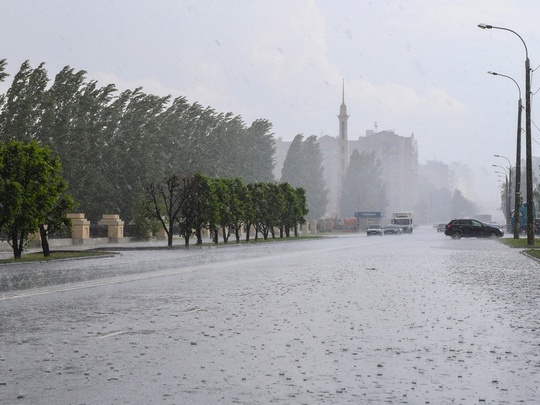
[(59, 255)]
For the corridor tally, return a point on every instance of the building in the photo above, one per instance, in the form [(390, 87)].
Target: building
[(398, 155), (399, 158)]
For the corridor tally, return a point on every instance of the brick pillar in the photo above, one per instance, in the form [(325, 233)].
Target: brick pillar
[(80, 228), (115, 227)]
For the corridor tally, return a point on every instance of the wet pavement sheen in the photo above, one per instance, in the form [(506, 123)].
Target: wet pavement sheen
[(409, 319)]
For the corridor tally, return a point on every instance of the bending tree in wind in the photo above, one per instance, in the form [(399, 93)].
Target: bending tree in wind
[(303, 167)]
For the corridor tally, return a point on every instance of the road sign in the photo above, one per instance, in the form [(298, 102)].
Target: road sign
[(368, 214)]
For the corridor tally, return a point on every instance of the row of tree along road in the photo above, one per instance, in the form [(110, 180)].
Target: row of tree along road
[(33, 197), (74, 145)]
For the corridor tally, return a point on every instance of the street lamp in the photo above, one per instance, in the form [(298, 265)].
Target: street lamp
[(507, 188), (509, 196), (528, 144), (517, 186)]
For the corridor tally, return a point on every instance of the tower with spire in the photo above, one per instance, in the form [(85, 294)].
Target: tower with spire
[(343, 139), (343, 145)]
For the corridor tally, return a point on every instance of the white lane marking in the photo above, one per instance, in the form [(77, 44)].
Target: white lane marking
[(109, 334)]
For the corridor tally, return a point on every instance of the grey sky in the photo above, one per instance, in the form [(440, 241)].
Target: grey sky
[(415, 66)]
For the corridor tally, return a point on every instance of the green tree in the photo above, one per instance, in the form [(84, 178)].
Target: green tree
[(130, 168), (363, 187), (258, 193), (301, 209), (303, 167), (144, 225), (250, 210), (23, 104), (293, 171), (257, 149), (78, 124), (199, 207), (3, 75), (223, 200), (30, 188), (56, 219), (239, 206), (287, 215)]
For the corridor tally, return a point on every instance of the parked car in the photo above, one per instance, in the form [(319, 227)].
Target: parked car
[(393, 229), (375, 230), (471, 228), (441, 227)]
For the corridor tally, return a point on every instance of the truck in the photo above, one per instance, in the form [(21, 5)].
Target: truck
[(403, 219)]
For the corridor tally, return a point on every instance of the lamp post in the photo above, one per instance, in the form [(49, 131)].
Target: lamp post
[(517, 185), (528, 142), (509, 194), (507, 187)]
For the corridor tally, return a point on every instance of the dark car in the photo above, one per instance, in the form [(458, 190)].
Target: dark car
[(393, 229), (471, 228), (375, 230)]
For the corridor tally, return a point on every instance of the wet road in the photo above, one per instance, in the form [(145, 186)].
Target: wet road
[(410, 319)]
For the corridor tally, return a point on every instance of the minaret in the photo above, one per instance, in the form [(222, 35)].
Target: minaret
[(343, 145), (343, 140)]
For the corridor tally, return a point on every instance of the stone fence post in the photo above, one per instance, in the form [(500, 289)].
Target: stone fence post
[(115, 227), (80, 228)]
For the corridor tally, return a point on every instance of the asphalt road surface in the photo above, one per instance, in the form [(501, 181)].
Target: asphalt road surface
[(408, 319)]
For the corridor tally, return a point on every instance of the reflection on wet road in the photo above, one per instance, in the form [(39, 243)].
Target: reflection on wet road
[(400, 319)]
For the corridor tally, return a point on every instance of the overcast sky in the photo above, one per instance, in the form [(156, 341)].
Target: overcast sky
[(415, 66)]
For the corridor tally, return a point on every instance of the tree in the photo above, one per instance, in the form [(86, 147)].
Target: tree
[(293, 171), (461, 206), (223, 206), (23, 105), (3, 76), (56, 219), (301, 209), (258, 193), (303, 167), (163, 202), (363, 187), (257, 149), (239, 206), (132, 156), (78, 123), (31, 190), (288, 214), (199, 207)]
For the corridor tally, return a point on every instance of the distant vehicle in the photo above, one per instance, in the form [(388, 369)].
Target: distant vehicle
[(441, 227), (375, 230), (471, 228), (392, 229), (403, 219)]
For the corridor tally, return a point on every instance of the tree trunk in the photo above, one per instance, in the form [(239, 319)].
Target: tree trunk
[(170, 234), (16, 245), (198, 233), (44, 241)]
